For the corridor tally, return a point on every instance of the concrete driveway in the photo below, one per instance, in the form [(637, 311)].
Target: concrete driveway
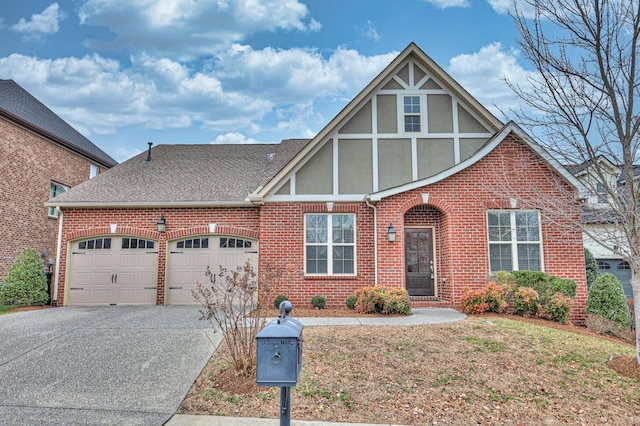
[(129, 365)]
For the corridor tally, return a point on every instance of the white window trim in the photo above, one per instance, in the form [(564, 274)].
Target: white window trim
[(329, 245), (514, 238), (401, 114)]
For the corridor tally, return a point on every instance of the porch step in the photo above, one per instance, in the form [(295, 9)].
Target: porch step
[(429, 302)]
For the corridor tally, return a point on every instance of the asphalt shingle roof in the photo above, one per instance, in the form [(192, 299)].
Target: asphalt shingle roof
[(22, 105), (185, 174)]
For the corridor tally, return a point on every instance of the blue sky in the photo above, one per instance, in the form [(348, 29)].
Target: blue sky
[(238, 71)]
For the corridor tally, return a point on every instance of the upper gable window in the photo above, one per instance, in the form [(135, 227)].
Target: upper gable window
[(93, 171), (55, 189), (412, 114)]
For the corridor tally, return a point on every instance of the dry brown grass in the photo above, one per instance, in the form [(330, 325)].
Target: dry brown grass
[(483, 370)]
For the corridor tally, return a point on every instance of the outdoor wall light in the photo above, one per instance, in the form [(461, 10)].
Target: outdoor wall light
[(162, 224), (391, 233)]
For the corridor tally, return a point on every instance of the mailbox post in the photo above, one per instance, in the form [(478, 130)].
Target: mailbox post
[(279, 357)]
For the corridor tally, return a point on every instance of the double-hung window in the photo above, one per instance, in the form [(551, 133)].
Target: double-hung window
[(55, 189), (329, 244), (411, 114), (515, 243)]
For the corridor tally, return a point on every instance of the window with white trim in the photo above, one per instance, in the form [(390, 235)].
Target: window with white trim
[(93, 171), (514, 240), (411, 114), (329, 244), (55, 189)]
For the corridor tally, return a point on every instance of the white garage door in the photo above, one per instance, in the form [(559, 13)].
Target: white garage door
[(113, 271), (190, 258)]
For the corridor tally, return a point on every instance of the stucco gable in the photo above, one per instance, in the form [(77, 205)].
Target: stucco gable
[(371, 146)]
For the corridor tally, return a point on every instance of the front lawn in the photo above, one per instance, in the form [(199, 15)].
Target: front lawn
[(483, 370)]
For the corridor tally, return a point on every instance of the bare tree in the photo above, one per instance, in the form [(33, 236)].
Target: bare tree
[(581, 104)]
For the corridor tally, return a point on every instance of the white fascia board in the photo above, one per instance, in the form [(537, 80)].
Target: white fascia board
[(311, 198), (149, 204)]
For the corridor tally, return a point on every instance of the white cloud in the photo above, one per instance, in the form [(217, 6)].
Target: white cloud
[(503, 7), (443, 4), (235, 138), (299, 75), (371, 32), (46, 22), (189, 28), (483, 74)]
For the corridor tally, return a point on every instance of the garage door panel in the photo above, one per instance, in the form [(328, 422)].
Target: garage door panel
[(187, 265), (112, 270)]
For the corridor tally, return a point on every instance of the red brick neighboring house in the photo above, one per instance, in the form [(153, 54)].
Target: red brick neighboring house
[(412, 153), (40, 155)]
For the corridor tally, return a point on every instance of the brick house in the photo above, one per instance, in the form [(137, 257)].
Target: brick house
[(40, 156), (396, 190)]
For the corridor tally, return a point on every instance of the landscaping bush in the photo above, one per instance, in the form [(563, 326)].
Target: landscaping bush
[(558, 307), (279, 299), (606, 298), (26, 282), (397, 301), (237, 304), (492, 297), (592, 268), (474, 301), (370, 299), (318, 302), (496, 297), (526, 302), (351, 301)]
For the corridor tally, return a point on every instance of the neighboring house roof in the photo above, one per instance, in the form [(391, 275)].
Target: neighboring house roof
[(20, 106), (184, 175)]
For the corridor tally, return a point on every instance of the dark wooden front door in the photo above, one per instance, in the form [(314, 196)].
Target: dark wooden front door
[(419, 260)]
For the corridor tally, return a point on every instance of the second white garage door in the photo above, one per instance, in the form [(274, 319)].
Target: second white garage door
[(189, 259)]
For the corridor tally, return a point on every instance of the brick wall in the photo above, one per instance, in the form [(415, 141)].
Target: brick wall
[(28, 165), (456, 207)]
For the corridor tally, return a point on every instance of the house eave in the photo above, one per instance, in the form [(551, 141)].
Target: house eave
[(146, 204)]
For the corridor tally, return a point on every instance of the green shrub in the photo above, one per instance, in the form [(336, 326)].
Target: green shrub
[(474, 301), (318, 302), (592, 268), (26, 282), (397, 301), (501, 278), (279, 299), (526, 302), (351, 301), (558, 307), (606, 298)]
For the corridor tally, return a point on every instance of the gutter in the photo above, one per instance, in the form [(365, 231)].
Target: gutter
[(146, 204), (54, 301), (375, 237)]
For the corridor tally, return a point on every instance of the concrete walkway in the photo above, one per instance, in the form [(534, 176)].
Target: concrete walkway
[(420, 316)]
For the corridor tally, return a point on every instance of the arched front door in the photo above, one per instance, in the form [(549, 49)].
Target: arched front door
[(419, 262)]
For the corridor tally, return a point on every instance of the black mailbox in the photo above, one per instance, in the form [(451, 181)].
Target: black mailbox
[(279, 353)]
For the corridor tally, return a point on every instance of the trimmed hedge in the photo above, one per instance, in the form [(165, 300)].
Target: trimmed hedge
[(26, 282), (606, 298)]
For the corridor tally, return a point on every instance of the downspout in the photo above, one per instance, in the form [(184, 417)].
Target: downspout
[(54, 301), (375, 237)]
